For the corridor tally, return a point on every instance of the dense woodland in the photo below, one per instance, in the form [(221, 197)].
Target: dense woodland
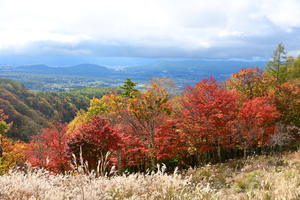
[(253, 112), (31, 111)]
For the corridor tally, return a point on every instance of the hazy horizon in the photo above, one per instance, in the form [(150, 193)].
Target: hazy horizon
[(106, 61)]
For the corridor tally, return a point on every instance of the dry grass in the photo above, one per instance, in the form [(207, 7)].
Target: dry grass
[(260, 178)]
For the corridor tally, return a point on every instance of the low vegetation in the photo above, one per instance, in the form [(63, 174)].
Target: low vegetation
[(260, 177)]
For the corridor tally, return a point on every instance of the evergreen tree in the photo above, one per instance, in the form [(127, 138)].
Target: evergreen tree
[(128, 87), (275, 67)]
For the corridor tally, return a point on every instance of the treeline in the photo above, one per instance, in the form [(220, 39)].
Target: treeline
[(31, 111)]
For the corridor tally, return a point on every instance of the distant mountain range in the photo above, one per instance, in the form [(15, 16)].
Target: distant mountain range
[(189, 71), (81, 70), (209, 67)]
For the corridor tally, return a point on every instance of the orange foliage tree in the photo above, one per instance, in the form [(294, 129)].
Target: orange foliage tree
[(12, 154), (287, 101), (251, 82)]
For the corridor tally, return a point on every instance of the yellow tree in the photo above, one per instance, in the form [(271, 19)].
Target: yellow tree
[(10, 151), (12, 154), (80, 119), (146, 114), (109, 106)]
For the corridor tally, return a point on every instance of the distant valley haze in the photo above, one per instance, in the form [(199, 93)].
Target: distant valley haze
[(182, 71)]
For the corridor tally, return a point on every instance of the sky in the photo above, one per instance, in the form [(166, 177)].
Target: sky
[(179, 29)]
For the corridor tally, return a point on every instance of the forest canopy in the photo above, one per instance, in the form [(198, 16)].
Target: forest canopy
[(210, 122)]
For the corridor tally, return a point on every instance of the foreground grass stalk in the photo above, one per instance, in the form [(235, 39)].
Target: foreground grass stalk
[(260, 178)]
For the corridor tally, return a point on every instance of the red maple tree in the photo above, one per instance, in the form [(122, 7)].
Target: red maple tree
[(256, 122), (206, 113), (95, 138), (49, 149)]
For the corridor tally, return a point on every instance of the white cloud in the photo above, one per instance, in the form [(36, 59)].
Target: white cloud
[(231, 33), (194, 28), (284, 14)]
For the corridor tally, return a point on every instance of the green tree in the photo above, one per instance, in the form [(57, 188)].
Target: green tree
[(294, 70), (4, 127), (275, 67), (128, 87)]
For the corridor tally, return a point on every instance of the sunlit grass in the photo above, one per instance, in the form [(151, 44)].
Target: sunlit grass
[(261, 178)]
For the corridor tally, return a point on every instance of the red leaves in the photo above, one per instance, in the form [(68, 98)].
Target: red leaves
[(257, 120), (49, 149), (206, 112), (149, 127), (213, 118), (95, 138)]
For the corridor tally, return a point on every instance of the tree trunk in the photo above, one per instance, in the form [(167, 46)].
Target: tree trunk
[(40, 150), (119, 162), (245, 154), (151, 149), (219, 153), (152, 160), (1, 150), (263, 150), (198, 159), (280, 152), (1, 146)]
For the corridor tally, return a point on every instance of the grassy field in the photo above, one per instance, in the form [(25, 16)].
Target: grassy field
[(260, 178)]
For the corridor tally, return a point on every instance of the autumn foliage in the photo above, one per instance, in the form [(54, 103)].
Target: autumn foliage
[(210, 122), (251, 82), (206, 115), (11, 152), (49, 149), (95, 138)]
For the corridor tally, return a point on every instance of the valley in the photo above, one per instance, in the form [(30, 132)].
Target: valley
[(45, 78)]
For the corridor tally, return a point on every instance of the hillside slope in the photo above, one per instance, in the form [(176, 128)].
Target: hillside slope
[(31, 111)]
